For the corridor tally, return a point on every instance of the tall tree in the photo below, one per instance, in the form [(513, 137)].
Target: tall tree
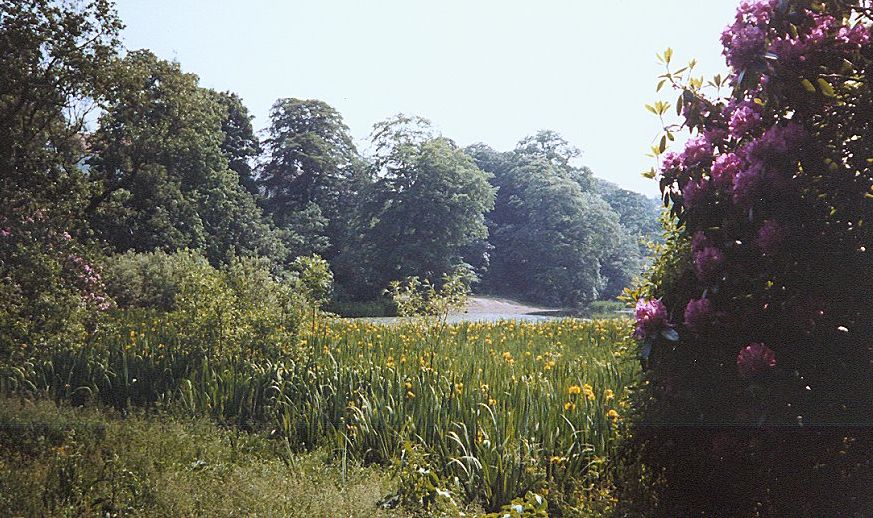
[(161, 178), (551, 238), (426, 206), (312, 164), (54, 58), (240, 145)]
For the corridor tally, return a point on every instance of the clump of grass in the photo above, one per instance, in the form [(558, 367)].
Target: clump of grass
[(87, 462)]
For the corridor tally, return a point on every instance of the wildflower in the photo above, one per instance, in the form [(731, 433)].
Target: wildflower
[(569, 406), (459, 388), (608, 394), (574, 389), (410, 394), (588, 390), (554, 459), (389, 362), (612, 414), (754, 359)]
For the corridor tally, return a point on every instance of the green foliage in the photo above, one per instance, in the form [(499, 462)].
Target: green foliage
[(539, 410), (315, 279), (239, 308), (550, 236), (423, 298), (312, 167), (160, 175), (59, 461), (426, 205)]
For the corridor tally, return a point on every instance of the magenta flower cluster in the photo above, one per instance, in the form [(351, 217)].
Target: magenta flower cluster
[(755, 359), (651, 317)]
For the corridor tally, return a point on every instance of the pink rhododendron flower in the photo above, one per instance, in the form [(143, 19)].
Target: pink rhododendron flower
[(746, 185), (707, 263), (724, 168), (697, 150), (769, 237), (651, 317), (745, 118), (693, 192), (698, 314), (670, 161), (699, 241), (754, 359), (856, 36)]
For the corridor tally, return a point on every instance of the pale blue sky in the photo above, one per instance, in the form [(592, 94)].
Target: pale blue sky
[(480, 70)]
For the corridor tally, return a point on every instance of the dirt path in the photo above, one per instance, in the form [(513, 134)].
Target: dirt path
[(480, 305)]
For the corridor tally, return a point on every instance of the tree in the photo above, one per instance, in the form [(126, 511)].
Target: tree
[(550, 237), (240, 145), (53, 71), (160, 177), (427, 203), (312, 160)]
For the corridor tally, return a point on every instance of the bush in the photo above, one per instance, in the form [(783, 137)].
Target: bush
[(755, 324), (241, 308), (51, 290)]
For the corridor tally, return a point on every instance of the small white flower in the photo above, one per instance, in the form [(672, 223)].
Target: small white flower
[(518, 508)]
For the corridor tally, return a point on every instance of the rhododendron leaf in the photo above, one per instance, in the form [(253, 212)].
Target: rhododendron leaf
[(807, 85), (826, 88), (670, 334), (646, 350)]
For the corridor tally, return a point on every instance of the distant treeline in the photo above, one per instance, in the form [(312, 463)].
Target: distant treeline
[(169, 165)]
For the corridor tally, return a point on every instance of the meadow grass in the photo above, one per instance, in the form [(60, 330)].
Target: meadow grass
[(61, 461), (470, 412)]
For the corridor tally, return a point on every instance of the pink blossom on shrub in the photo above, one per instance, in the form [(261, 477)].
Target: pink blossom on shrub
[(697, 150), (856, 36), (744, 119), (769, 237), (724, 168), (651, 317), (670, 161), (746, 185), (698, 314), (699, 241), (693, 192), (754, 359), (5, 232), (707, 263)]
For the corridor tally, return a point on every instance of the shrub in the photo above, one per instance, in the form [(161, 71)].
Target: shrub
[(242, 307), (51, 290), (755, 322)]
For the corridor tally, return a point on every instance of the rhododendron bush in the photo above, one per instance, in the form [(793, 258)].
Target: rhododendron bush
[(756, 324)]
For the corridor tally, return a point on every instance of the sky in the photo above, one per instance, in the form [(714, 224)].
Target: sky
[(492, 71)]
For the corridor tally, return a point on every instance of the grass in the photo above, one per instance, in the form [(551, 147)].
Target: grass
[(468, 414), (87, 462)]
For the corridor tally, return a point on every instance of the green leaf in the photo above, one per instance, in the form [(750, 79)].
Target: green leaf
[(807, 85), (826, 88)]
